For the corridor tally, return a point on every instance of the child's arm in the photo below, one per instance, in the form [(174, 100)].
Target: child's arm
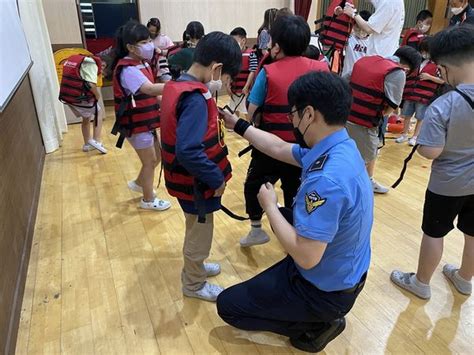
[(430, 152), (95, 90), (434, 79), (248, 84), (151, 89)]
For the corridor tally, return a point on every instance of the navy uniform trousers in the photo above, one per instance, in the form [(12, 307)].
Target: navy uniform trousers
[(281, 301)]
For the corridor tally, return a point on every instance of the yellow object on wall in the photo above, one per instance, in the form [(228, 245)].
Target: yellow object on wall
[(62, 55)]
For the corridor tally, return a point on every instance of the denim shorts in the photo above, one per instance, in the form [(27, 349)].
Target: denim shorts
[(412, 107)]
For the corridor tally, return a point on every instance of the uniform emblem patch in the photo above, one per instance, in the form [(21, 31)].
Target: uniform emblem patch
[(313, 201), (319, 163)]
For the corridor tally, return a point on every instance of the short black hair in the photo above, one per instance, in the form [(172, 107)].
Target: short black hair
[(220, 48), (424, 15), (425, 44), (409, 56), (454, 46), (239, 31), (292, 33), (154, 21), (365, 14), (312, 52), (318, 89)]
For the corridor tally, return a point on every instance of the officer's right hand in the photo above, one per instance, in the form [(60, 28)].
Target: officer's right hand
[(220, 191), (229, 119)]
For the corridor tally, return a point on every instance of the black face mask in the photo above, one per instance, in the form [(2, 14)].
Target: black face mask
[(300, 136)]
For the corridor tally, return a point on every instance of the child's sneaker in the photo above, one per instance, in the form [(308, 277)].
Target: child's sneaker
[(132, 185), (212, 269), (403, 138), (451, 273), (409, 282), (256, 236), (412, 141), (208, 293), (87, 147), (156, 205), (379, 188), (97, 145)]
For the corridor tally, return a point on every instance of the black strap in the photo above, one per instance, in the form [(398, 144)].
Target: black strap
[(467, 98), (405, 165), (233, 215), (245, 151), (371, 92)]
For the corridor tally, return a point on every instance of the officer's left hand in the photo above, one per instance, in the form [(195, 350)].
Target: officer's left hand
[(267, 196)]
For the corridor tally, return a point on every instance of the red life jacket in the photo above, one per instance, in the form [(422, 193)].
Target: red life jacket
[(413, 37), (280, 75), (134, 113), (74, 89), (368, 89), (421, 91), (179, 182), (336, 29), (241, 79)]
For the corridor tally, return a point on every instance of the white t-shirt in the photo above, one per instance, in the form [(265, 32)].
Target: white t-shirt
[(163, 42), (387, 23), (356, 49)]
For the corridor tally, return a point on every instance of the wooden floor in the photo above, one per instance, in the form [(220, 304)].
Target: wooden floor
[(104, 277)]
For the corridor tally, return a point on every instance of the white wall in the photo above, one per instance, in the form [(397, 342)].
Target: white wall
[(222, 15), (63, 21)]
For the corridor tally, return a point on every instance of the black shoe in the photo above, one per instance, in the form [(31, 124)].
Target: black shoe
[(315, 342)]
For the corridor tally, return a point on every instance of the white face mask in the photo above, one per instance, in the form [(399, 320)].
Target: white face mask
[(456, 10), (214, 85), (147, 50), (425, 28)]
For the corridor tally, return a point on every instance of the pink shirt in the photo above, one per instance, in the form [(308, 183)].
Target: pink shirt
[(163, 42)]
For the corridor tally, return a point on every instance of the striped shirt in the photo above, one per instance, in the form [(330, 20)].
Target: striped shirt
[(253, 62)]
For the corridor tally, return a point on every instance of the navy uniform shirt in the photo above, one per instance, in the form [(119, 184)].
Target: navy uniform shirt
[(335, 205)]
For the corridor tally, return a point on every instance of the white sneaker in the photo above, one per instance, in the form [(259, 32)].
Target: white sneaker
[(97, 145), (208, 293), (87, 147), (256, 236), (409, 282), (403, 138), (379, 189), (451, 273), (156, 205), (212, 269), (412, 141), (132, 185)]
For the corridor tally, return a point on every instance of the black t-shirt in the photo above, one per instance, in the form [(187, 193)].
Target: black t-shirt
[(465, 17)]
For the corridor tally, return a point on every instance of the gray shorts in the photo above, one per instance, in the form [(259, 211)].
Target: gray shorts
[(85, 112), (367, 140)]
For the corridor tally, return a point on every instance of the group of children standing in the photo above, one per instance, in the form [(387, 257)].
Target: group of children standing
[(190, 140)]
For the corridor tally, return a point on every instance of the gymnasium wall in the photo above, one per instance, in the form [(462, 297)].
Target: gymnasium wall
[(21, 156), (222, 15), (63, 23), (64, 29)]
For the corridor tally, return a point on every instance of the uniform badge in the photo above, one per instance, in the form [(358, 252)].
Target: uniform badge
[(313, 201), (319, 163)]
